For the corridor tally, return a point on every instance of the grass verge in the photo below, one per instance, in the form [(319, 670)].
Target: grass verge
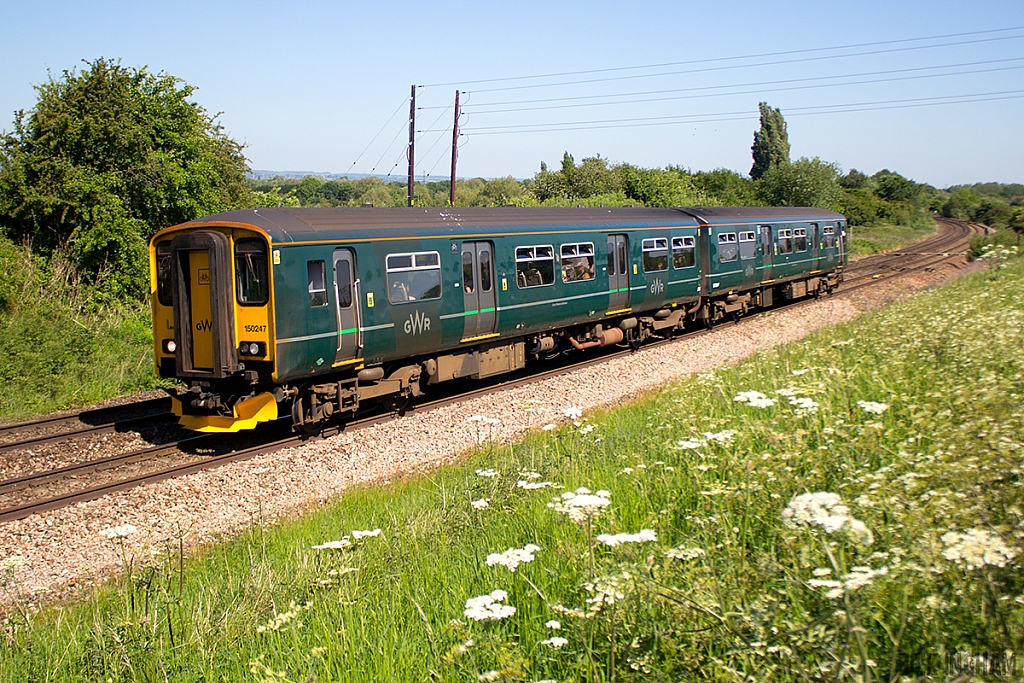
[(875, 239), (62, 345), (847, 508)]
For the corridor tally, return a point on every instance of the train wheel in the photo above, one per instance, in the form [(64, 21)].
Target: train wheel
[(309, 415)]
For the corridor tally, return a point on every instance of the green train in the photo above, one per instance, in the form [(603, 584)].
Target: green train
[(322, 311)]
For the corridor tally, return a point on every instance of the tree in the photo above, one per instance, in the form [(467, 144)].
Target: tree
[(1017, 222), (108, 156), (805, 182), (771, 142)]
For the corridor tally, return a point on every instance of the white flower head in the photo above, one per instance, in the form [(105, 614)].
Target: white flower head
[(643, 536), (689, 444), (488, 473), (481, 504), (489, 607), (683, 553), (534, 485), (555, 641), (825, 510), (977, 548), (340, 544), (723, 436), (553, 624), (549, 427), (513, 557), (873, 407), (356, 535), (121, 531), (573, 412), (581, 505)]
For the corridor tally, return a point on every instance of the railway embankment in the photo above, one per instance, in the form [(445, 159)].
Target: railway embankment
[(849, 500)]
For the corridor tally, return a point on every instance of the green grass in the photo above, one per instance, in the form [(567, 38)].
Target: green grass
[(62, 345), (880, 238), (943, 458)]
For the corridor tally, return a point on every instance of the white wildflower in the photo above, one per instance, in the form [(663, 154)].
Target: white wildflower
[(528, 475), (487, 473), (534, 485), (581, 505), (689, 444), (513, 557), (804, 404), (681, 553), (489, 677), (121, 531), (356, 535), (643, 536), (873, 407), (489, 607), (754, 399), (549, 427), (827, 511), (723, 436), (586, 429), (553, 624), (481, 504), (862, 576), (606, 591), (555, 641), (341, 544), (802, 371), (573, 412), (822, 571), (977, 548), (786, 392)]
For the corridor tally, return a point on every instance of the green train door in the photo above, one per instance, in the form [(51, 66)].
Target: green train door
[(768, 250), (618, 273), (478, 289), (347, 304), (813, 236)]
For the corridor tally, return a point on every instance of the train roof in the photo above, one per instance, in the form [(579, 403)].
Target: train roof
[(293, 225)]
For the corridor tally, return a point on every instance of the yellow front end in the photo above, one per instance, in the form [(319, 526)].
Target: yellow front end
[(214, 282)]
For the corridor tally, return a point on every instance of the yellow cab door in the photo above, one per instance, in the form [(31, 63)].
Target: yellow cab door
[(202, 327)]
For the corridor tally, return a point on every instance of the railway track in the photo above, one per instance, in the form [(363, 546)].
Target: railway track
[(52, 489)]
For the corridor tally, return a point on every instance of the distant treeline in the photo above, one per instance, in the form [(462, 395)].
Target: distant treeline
[(883, 198)]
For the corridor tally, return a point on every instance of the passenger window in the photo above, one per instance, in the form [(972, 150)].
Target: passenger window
[(163, 273), (577, 262), (800, 239), (683, 252), (830, 237), (727, 250), (251, 272), (535, 266), (317, 283), (655, 254), (748, 245), (414, 277), (785, 241)]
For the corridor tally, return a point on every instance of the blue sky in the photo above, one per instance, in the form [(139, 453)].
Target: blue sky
[(307, 85)]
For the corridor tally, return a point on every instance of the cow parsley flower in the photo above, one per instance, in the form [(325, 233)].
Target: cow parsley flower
[(643, 536), (487, 473), (804, 404), (681, 553), (481, 504), (825, 510), (553, 624), (121, 531), (689, 444), (573, 412), (581, 505), (723, 436), (341, 544), (356, 535), (534, 485), (754, 399), (977, 548), (873, 407), (549, 427), (555, 641), (513, 557), (489, 607)]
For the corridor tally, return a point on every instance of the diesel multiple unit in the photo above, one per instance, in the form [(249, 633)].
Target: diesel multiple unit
[(320, 311)]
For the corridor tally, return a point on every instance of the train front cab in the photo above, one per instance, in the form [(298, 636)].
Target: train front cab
[(211, 296)]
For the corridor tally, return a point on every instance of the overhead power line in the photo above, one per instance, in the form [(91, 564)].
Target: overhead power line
[(714, 60), (688, 119)]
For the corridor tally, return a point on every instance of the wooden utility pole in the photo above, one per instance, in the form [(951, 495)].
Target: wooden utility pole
[(455, 147), (412, 140)]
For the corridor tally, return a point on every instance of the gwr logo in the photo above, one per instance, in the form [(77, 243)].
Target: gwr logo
[(418, 323), (657, 287), (204, 326)]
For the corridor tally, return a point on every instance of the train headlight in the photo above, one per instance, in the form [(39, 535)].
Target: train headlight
[(252, 349), (170, 346)]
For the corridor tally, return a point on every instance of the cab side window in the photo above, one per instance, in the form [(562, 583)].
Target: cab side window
[(251, 272)]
